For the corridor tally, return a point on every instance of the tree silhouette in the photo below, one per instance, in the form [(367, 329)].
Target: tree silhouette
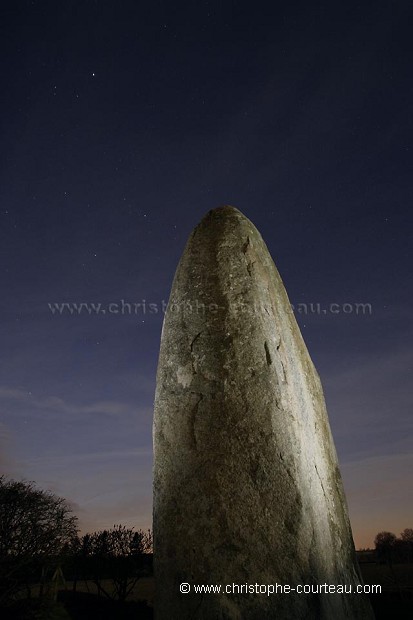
[(407, 539), (407, 534), (119, 554), (34, 525), (384, 543)]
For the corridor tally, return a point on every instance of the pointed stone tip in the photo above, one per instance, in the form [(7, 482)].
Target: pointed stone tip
[(224, 210), (224, 217), (222, 213)]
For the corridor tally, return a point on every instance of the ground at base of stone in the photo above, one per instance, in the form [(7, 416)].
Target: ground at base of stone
[(392, 605), (84, 606), (76, 606)]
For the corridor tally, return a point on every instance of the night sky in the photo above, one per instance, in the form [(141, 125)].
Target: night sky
[(122, 124)]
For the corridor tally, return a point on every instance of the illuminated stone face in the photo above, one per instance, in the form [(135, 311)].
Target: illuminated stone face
[(247, 488)]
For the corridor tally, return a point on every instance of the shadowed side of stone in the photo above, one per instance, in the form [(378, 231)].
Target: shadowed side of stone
[(246, 482)]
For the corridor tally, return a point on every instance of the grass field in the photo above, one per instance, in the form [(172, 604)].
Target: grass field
[(396, 599), (394, 603), (398, 578), (143, 590)]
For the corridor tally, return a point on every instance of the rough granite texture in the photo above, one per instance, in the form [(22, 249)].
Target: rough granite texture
[(247, 487)]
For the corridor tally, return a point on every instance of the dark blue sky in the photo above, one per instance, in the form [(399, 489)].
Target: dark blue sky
[(123, 123)]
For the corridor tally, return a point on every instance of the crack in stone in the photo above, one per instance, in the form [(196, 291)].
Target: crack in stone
[(249, 267), (284, 379), (285, 467), (193, 341), (321, 482), (247, 245), (267, 354), (283, 367), (194, 411)]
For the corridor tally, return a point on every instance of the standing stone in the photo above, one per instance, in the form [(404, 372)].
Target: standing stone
[(247, 488)]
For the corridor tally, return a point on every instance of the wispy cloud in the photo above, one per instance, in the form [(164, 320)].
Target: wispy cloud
[(55, 405), (84, 457)]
